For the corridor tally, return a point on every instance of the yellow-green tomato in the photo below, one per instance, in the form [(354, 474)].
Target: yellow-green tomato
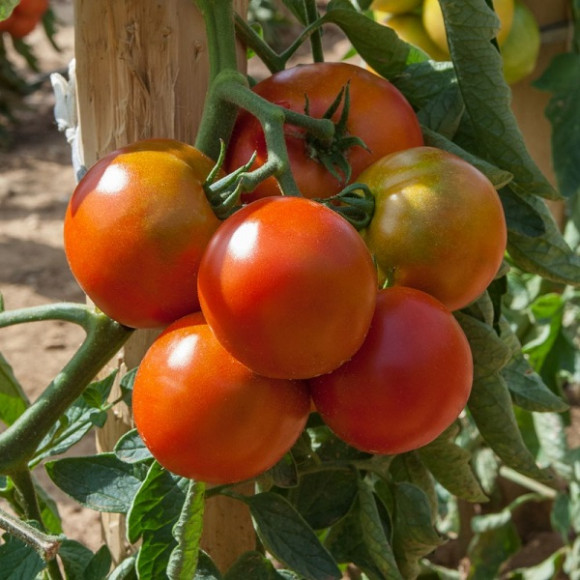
[(438, 224), (435, 26), (396, 6)]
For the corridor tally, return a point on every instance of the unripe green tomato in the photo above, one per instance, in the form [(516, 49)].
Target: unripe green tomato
[(522, 46)]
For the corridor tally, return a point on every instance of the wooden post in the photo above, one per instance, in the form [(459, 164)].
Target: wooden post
[(142, 71)]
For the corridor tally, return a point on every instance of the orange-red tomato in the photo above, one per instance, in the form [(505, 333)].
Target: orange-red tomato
[(288, 286), (205, 416), (24, 18), (438, 224), (408, 382), (379, 115), (135, 230)]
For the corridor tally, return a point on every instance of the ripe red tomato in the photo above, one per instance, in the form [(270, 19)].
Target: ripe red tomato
[(379, 115), (288, 287), (205, 416), (135, 229), (408, 382), (24, 18), (438, 225)]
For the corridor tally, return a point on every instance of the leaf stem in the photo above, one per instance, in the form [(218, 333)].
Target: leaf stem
[(316, 36), (103, 339)]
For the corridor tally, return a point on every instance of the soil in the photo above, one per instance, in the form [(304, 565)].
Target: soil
[(36, 180)]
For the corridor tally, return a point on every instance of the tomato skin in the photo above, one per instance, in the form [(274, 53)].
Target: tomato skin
[(408, 382), (135, 229), (438, 225), (288, 287), (379, 114), (205, 416), (24, 18)]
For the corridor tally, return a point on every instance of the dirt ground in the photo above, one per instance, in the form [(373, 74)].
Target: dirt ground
[(36, 179)]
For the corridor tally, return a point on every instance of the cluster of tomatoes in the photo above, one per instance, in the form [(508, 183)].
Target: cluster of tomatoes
[(24, 18), (284, 306), (420, 22)]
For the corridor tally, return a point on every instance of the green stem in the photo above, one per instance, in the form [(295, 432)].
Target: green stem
[(45, 545), (104, 338), (316, 37), (219, 116), (250, 38)]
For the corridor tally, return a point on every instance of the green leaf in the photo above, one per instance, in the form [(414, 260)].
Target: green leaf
[(99, 482), (156, 509), (81, 564), (346, 542), (252, 565), (521, 212), (561, 78), (285, 473), (491, 408), (470, 26), (130, 448), (19, 561), (489, 550), (497, 176), (366, 35), (373, 534), (125, 570), (322, 498), (528, 390), (48, 510), (451, 466), (442, 114), (548, 255), (6, 7), (414, 535), (289, 538), (409, 468), (206, 569), (187, 533), (13, 400)]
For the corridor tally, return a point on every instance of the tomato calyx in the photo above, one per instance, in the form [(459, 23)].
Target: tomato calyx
[(332, 154), (355, 203)]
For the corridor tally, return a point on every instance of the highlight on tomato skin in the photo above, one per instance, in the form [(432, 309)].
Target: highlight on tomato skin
[(135, 230), (409, 381), (288, 287), (205, 416), (379, 115)]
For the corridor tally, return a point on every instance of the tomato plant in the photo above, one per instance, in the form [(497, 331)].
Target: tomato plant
[(408, 382), (144, 231), (288, 287), (438, 224), (206, 416), (378, 115)]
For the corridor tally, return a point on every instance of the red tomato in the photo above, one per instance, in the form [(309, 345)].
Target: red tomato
[(408, 382), (205, 416), (379, 115), (288, 287), (24, 18), (438, 224), (135, 229)]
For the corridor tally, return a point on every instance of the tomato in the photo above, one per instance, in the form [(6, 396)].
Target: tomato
[(396, 6), (410, 28), (438, 224), (408, 382), (520, 50), (288, 287), (435, 26), (204, 415), (24, 18), (135, 229), (379, 115)]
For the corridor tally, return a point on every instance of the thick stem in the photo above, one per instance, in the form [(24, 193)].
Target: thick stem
[(316, 37), (219, 116), (104, 338)]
